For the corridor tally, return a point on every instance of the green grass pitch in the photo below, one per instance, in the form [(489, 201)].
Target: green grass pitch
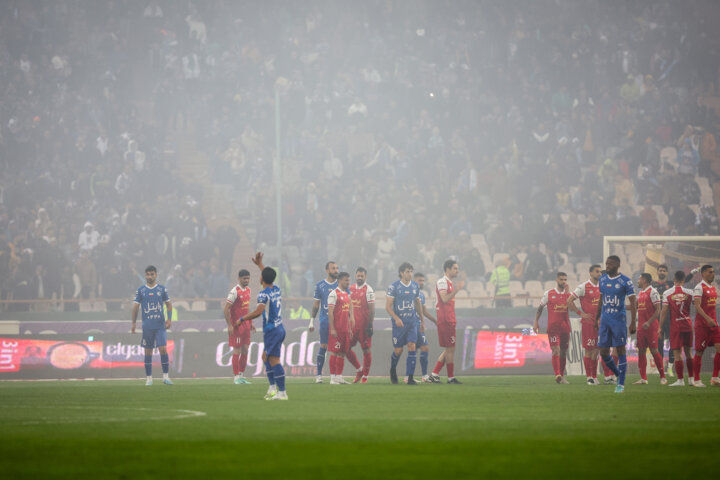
[(490, 427)]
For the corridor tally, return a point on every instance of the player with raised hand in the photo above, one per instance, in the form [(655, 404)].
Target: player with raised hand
[(402, 304), (236, 306), (422, 331), (446, 322), (322, 290), (340, 315), (589, 295), (676, 302), (363, 301), (558, 327), (649, 306), (707, 332), (269, 305), (613, 330), (151, 297)]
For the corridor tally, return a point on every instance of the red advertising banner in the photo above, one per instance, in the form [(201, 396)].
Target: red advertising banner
[(511, 350)]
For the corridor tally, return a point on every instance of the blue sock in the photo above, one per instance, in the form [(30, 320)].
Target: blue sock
[(424, 362), (279, 373), (611, 364), (320, 360), (410, 363), (165, 361), (394, 359), (270, 373), (148, 365), (622, 366)]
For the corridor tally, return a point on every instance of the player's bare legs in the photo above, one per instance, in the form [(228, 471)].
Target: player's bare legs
[(164, 360), (239, 363), (561, 357), (680, 364), (337, 364), (439, 365), (590, 361)]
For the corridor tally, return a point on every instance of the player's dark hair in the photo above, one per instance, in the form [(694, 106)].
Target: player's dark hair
[(243, 273), (679, 276), (342, 275), (705, 268), (647, 277), (150, 268), (404, 266), (327, 265), (594, 266), (561, 274), (419, 275), (614, 258), (662, 265), (268, 275), (361, 269), (449, 264)]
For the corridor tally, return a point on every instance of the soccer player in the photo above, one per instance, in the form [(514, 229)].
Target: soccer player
[(269, 305), (422, 332), (238, 305), (363, 300), (664, 283), (589, 295), (614, 288), (677, 302), (403, 303), (340, 323), (558, 328), (322, 290), (648, 305), (446, 322), (707, 332), (150, 297)]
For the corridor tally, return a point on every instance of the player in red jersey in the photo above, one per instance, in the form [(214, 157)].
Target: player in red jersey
[(676, 301), (558, 328), (446, 322), (363, 301), (648, 311), (236, 307), (589, 295), (341, 322), (707, 331)]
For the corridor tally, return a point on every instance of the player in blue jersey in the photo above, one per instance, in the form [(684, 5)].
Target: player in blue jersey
[(322, 290), (403, 305), (422, 341), (151, 297), (269, 305), (613, 330)]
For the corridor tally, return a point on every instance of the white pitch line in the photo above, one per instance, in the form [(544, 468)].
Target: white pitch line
[(58, 421)]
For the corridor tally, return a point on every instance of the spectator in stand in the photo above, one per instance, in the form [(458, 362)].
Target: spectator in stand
[(88, 238)]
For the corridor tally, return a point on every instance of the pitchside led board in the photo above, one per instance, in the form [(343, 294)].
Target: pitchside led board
[(479, 352)]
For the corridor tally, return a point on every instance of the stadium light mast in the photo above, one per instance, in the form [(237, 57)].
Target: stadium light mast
[(277, 176)]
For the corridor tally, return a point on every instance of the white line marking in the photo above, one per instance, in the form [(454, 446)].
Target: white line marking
[(164, 414)]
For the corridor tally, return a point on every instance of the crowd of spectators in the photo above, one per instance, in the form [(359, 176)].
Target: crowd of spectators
[(407, 129)]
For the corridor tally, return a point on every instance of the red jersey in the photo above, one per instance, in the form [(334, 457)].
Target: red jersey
[(708, 296), (445, 310), (558, 318), (341, 301), (647, 300), (239, 298), (362, 298), (678, 300), (589, 295)]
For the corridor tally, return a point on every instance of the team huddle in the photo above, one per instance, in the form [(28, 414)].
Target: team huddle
[(604, 323)]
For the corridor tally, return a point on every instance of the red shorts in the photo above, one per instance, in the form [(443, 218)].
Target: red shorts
[(240, 335), (339, 343), (446, 334), (361, 337), (559, 339), (706, 337), (647, 338), (589, 336), (680, 339)]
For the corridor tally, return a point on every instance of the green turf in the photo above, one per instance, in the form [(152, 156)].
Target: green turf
[(490, 427)]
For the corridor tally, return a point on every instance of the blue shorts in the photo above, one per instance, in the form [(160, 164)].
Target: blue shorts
[(154, 337), (324, 332), (612, 334), (273, 341), (401, 336), (421, 337)]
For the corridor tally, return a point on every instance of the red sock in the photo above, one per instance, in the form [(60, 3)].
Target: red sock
[(679, 364), (367, 361), (438, 368), (243, 362), (236, 364), (690, 365), (642, 365), (659, 364), (339, 365), (331, 363), (697, 365), (587, 363), (716, 365), (352, 358), (451, 370), (556, 364), (561, 364), (606, 370)]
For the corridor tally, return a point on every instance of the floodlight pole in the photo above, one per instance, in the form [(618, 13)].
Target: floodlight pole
[(277, 177)]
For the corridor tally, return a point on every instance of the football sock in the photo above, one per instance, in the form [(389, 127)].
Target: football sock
[(642, 366), (279, 375), (339, 365), (352, 358), (659, 364), (438, 367), (451, 370), (622, 366), (556, 364), (716, 365), (320, 360), (165, 362), (607, 372), (588, 364), (410, 363), (679, 368), (424, 362), (236, 364), (148, 365), (561, 365), (697, 365), (394, 359), (243, 362), (270, 373), (367, 361), (333, 364), (689, 364), (610, 364)]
